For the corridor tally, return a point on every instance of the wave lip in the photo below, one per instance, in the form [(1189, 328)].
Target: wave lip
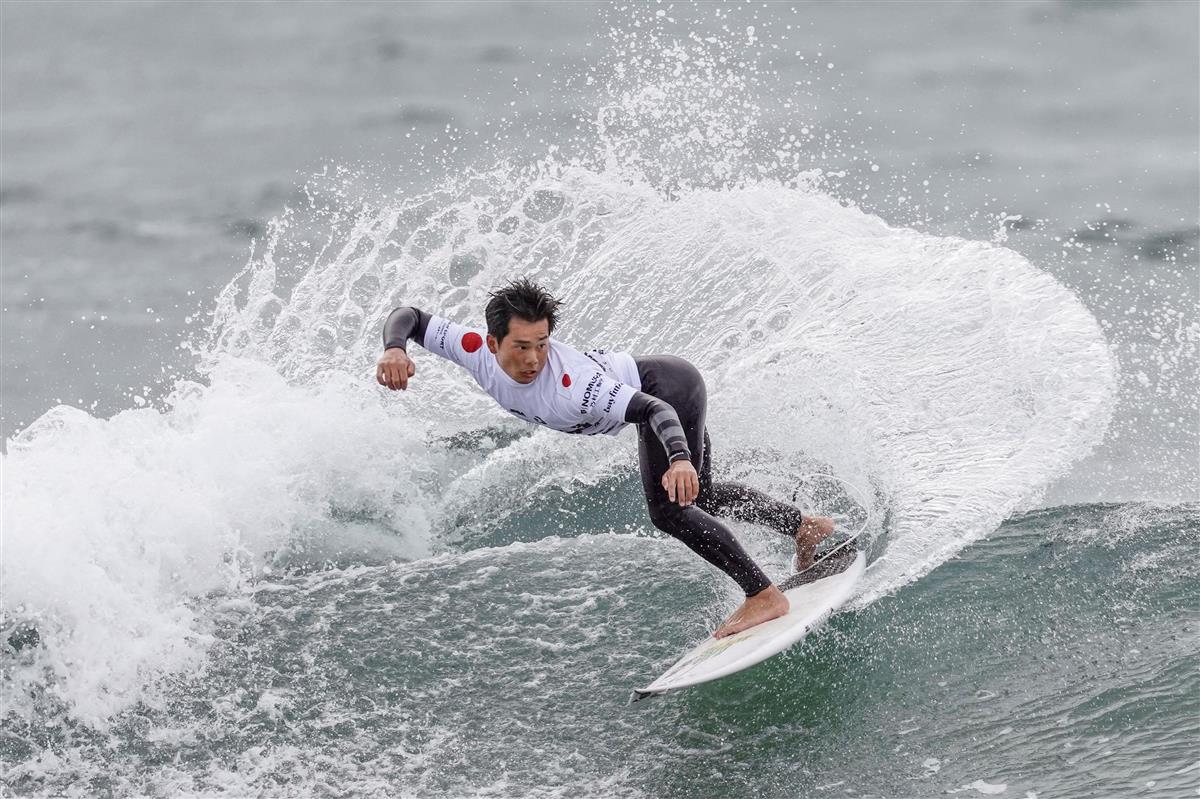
[(953, 376)]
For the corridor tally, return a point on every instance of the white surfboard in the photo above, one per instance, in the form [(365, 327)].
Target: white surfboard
[(826, 589)]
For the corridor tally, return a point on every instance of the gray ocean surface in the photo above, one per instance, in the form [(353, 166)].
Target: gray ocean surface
[(945, 254)]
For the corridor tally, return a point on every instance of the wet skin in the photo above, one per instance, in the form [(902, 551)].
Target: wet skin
[(770, 603)]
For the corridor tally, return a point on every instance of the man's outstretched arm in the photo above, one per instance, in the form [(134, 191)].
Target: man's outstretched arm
[(456, 343), (395, 367)]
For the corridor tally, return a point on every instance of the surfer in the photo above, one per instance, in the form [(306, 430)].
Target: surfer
[(547, 382)]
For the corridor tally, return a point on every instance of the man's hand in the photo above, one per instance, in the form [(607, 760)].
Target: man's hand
[(681, 482), (394, 369)]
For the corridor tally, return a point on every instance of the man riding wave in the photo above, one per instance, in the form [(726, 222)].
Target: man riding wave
[(547, 382)]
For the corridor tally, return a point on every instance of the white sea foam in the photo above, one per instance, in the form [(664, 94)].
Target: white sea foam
[(112, 526), (982, 787)]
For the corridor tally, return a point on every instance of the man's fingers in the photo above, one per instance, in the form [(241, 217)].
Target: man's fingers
[(684, 487), (403, 373), (394, 372), (392, 376)]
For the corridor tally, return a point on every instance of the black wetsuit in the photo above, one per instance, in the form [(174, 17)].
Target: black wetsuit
[(669, 411), (678, 383)]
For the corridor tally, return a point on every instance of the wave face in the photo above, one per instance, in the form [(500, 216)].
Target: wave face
[(269, 542), (1062, 647)]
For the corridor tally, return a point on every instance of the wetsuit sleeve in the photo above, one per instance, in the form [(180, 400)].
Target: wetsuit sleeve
[(403, 324), (648, 410), (458, 343)]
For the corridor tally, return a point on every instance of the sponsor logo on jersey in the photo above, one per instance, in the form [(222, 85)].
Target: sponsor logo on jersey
[(591, 393), (439, 335), (612, 396)]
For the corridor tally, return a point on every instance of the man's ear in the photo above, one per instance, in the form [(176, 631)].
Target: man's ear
[(493, 345)]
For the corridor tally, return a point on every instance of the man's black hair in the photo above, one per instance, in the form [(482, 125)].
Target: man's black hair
[(521, 298)]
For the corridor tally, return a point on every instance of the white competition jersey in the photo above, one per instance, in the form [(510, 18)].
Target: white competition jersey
[(575, 392)]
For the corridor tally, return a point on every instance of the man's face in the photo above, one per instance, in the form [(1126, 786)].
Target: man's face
[(522, 353)]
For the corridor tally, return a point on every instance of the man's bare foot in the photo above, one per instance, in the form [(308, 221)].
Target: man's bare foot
[(813, 530), (767, 604)]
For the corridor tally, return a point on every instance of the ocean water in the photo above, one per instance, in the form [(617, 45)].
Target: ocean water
[(945, 253)]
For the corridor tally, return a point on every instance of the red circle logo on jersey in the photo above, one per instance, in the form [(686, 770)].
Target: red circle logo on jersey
[(472, 342), (566, 379)]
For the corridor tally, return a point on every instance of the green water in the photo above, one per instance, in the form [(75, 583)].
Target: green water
[(1056, 658)]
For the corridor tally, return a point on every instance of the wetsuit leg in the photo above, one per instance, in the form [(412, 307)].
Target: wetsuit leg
[(679, 384), (743, 502)]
